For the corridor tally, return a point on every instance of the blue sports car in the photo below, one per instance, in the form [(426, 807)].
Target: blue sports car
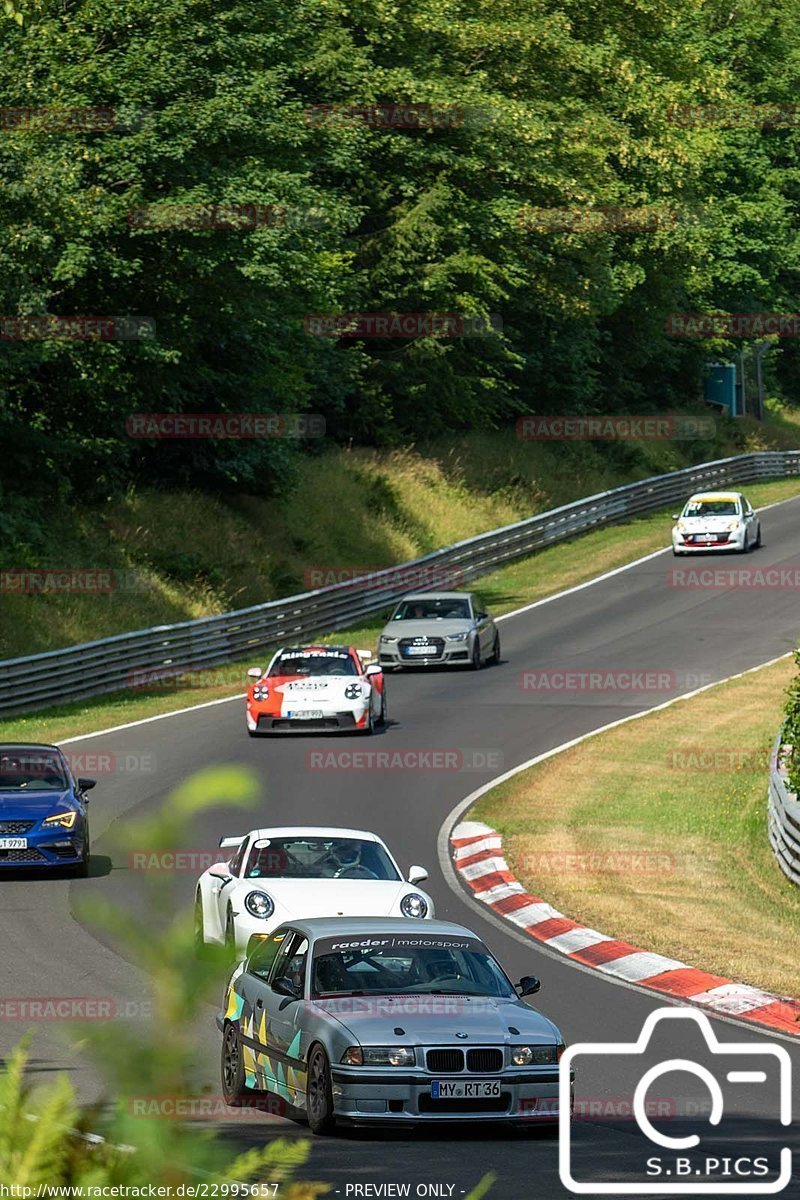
[(43, 810)]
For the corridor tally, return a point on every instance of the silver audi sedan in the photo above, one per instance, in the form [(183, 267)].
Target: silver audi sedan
[(439, 628), (375, 1020)]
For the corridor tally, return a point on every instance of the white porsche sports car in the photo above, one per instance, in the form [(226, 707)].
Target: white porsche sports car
[(307, 688), (716, 521), (288, 873)]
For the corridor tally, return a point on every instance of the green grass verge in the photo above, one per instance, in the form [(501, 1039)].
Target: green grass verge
[(705, 888), (541, 574)]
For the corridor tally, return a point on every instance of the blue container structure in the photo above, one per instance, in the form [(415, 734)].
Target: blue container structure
[(720, 387)]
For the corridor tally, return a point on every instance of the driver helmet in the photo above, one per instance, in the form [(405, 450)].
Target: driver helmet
[(346, 853)]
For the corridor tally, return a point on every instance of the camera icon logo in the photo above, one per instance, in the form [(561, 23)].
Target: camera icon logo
[(685, 1166)]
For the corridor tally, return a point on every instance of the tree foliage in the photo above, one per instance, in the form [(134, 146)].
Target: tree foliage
[(563, 106)]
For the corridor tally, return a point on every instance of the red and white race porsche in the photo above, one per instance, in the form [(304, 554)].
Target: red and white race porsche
[(316, 687)]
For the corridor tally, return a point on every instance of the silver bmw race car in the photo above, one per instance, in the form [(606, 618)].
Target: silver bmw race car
[(385, 1020)]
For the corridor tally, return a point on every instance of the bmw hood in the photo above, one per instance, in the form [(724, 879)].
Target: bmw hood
[(435, 1020), (330, 897), (32, 806), (430, 629)]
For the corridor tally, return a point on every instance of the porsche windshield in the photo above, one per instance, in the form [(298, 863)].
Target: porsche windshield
[(297, 663), (26, 771), (418, 970), (711, 508), (421, 609), (319, 858)]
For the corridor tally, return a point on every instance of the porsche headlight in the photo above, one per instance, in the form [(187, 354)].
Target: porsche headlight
[(259, 904), (379, 1056), (523, 1056), (414, 905), (457, 637), (64, 820)]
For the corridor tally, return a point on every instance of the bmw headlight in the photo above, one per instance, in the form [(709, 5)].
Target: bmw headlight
[(385, 640), (64, 820), (259, 904), (523, 1056), (457, 637), (414, 905), (260, 692), (379, 1056)]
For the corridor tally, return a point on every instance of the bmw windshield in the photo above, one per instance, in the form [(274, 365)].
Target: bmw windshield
[(411, 964)]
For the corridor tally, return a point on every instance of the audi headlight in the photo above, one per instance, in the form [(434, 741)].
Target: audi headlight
[(259, 904), (64, 820), (457, 637), (385, 640), (414, 905), (380, 1056), (523, 1056), (260, 692)]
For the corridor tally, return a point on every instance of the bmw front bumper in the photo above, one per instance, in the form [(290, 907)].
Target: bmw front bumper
[(404, 1097)]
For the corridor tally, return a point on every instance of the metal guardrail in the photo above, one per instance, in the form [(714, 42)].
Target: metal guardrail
[(783, 816), (117, 663)]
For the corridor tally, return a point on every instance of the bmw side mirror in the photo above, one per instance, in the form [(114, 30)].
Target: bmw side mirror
[(528, 985), (417, 875), (285, 987), (86, 785)]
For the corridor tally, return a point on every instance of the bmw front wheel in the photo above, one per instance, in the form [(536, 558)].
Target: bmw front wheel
[(321, 1118)]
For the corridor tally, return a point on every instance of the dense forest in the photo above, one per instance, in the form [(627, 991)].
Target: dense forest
[(541, 183)]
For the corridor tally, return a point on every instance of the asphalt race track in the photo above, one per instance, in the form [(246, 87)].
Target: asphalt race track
[(634, 619)]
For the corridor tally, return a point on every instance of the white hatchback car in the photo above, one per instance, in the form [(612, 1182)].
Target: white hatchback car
[(292, 872), (716, 521)]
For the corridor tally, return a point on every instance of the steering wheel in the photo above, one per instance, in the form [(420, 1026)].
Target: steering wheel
[(362, 872)]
